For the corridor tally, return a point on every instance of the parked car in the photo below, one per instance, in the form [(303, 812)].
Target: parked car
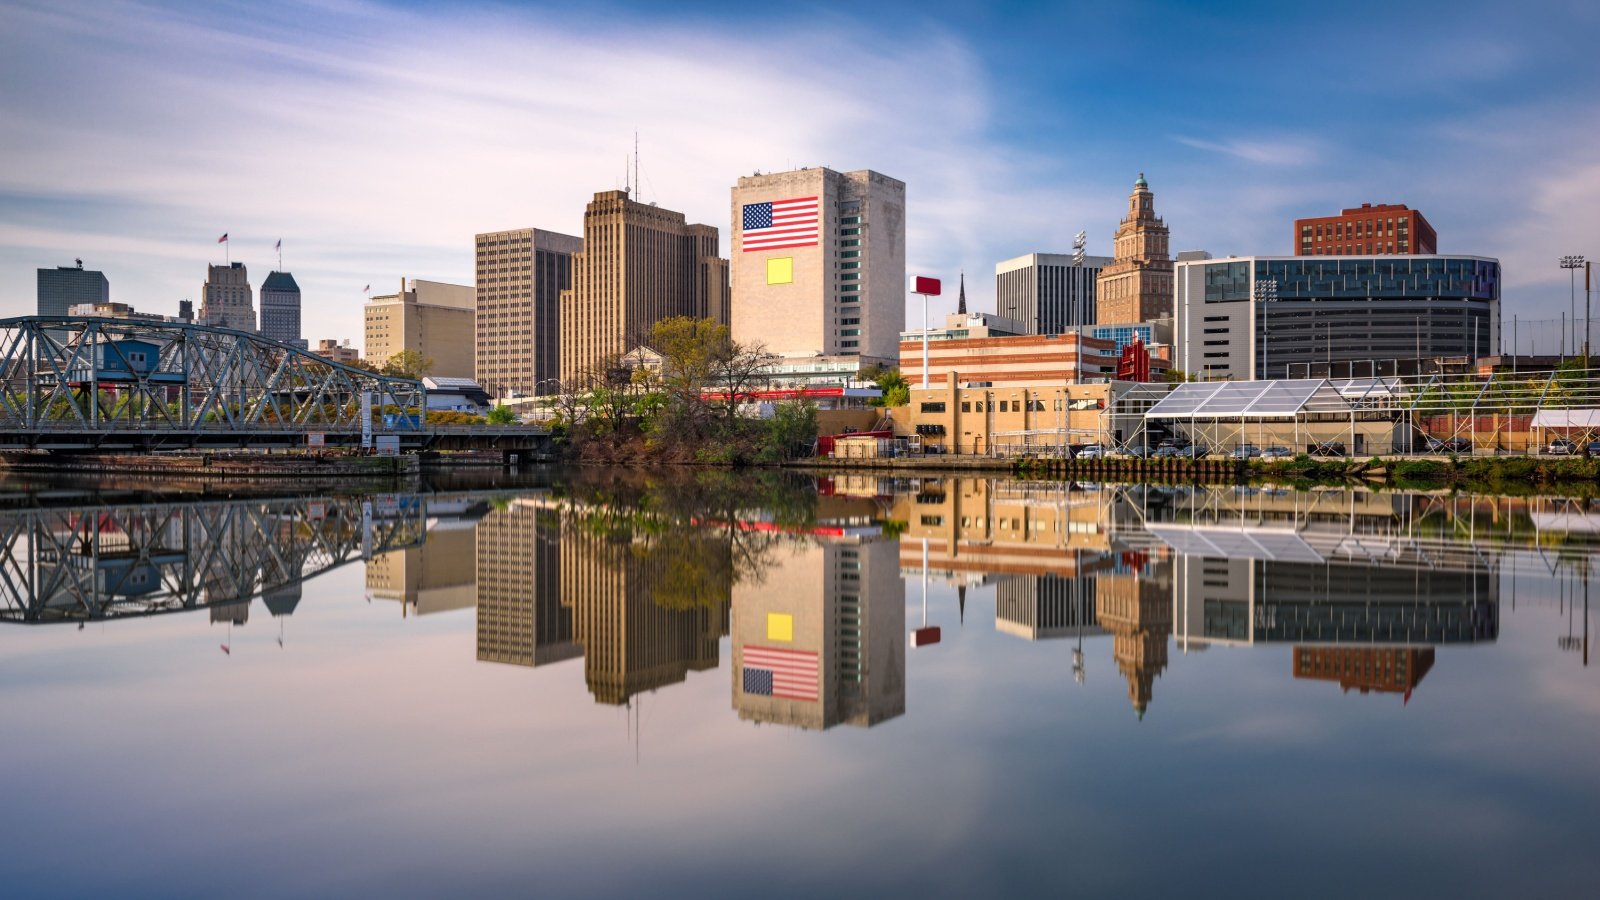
[(1277, 453), (1091, 451), (1192, 451), (1246, 451), (1165, 451), (1329, 448), (1561, 447), (1592, 450), (1451, 445)]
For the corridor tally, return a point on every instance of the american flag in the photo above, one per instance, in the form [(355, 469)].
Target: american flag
[(790, 674), (780, 223)]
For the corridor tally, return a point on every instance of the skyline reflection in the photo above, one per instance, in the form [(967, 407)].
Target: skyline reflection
[(811, 582)]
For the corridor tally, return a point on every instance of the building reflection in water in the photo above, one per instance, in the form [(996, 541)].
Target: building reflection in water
[(439, 574), (820, 640), (642, 610), (1385, 670)]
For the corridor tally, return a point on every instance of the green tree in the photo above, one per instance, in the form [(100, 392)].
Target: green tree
[(896, 390), (408, 364), (501, 414), (1176, 375)]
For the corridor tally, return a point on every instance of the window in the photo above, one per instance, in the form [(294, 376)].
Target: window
[(933, 407), (1036, 405), (851, 332), (1005, 406), (849, 231), (850, 254), (933, 520), (850, 265), (966, 406), (849, 321), (850, 243), (850, 220)]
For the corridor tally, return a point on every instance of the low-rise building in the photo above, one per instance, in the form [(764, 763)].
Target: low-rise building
[(969, 418), (330, 348)]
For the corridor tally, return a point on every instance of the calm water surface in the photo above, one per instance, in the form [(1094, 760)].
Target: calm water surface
[(758, 686)]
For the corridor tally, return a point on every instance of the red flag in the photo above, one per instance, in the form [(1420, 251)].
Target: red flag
[(225, 649), (223, 239), (367, 289)]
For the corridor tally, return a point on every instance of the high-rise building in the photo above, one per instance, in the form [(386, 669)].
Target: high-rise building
[(1384, 229), (434, 576), (185, 310), (226, 300), (432, 318), (67, 286), (1042, 607), (280, 309), (1248, 317), (521, 620), (1137, 285), (639, 264), (819, 263), (520, 276), (1048, 292)]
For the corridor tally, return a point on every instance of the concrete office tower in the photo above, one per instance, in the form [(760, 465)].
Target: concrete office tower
[(67, 286), (435, 576), (819, 263), (521, 620), (185, 310), (821, 641), (280, 309), (1043, 607), (431, 317), (226, 300), (521, 274), (1137, 285), (1046, 292), (640, 264)]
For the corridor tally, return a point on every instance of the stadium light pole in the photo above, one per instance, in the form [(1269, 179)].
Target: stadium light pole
[(1266, 290), (1572, 264)]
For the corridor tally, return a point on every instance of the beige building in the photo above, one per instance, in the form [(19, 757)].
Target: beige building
[(819, 263), (520, 277), (330, 348), (820, 641), (639, 264), (431, 317), (1137, 285), (227, 301), (963, 418)]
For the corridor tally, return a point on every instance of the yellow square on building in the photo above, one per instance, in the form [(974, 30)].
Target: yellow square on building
[(780, 270), (780, 627)]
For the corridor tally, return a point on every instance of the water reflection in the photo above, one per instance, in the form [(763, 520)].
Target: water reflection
[(642, 578)]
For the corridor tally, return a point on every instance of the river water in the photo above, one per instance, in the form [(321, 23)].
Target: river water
[(609, 684)]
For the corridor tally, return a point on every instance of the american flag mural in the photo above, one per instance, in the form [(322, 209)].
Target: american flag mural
[(790, 674), (777, 224)]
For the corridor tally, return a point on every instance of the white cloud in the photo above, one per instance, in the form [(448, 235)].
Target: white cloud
[(1271, 152), (376, 144)]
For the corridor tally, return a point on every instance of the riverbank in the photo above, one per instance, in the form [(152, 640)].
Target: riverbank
[(312, 470), (1489, 473)]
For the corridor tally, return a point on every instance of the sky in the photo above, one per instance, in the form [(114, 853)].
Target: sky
[(376, 139)]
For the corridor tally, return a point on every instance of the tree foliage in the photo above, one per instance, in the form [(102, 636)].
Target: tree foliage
[(501, 414), (407, 364)]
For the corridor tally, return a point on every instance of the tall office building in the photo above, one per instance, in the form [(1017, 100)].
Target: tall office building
[(432, 318), (67, 286), (1366, 230), (520, 275), (280, 309), (435, 576), (521, 620), (821, 640), (639, 264), (1137, 285), (226, 300), (819, 263), (1047, 292), (1041, 607)]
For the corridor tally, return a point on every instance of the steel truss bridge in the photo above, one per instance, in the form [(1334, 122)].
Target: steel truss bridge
[(101, 562), (85, 384)]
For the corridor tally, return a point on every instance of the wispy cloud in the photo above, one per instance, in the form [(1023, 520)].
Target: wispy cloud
[(1271, 152)]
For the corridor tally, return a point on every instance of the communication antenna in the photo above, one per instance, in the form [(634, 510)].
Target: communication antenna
[(636, 159)]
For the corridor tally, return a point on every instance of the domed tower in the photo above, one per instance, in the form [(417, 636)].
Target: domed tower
[(1137, 286)]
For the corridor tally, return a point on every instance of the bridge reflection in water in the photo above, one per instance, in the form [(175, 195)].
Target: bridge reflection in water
[(98, 562)]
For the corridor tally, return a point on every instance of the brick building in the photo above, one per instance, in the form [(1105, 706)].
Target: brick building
[(1367, 230)]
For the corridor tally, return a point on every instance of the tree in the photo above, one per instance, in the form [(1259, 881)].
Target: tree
[(896, 390), (408, 364), (501, 414), (1176, 375)]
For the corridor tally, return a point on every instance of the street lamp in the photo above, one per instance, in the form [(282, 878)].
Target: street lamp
[(1572, 264), (1266, 290)]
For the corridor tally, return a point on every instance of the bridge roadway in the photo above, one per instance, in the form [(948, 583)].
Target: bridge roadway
[(136, 437)]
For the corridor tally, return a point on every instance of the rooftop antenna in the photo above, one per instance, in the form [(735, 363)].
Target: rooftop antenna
[(636, 159)]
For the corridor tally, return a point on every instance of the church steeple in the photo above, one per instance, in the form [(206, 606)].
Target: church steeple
[(961, 301)]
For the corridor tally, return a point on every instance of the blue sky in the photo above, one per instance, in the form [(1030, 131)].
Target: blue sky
[(376, 139)]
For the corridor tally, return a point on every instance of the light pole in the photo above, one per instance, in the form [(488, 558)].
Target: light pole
[(1266, 290), (1572, 264)]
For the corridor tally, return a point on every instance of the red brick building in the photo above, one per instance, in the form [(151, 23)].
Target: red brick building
[(1367, 230)]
